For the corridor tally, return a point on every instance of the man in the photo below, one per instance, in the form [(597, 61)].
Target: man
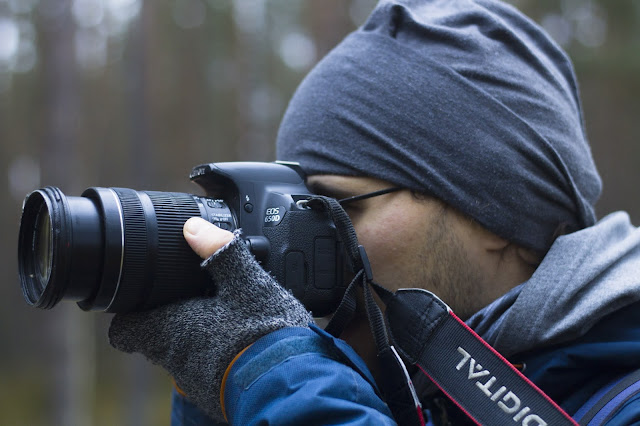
[(472, 111)]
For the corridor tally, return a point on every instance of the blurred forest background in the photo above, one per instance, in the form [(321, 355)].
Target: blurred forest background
[(134, 93)]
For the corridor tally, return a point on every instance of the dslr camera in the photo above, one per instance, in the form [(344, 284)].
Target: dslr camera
[(122, 250)]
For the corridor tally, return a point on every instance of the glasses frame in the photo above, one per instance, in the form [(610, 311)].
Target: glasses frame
[(355, 198)]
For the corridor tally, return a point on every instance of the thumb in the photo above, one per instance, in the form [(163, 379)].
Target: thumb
[(204, 237)]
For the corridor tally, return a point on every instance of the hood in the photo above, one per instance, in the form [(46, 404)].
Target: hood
[(576, 323), (585, 277)]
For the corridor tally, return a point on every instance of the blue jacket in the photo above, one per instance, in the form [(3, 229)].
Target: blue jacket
[(305, 376), (295, 376), (571, 374)]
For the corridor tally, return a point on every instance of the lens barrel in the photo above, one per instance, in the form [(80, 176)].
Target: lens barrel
[(112, 249)]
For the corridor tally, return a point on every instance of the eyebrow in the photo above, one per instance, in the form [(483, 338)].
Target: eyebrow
[(321, 188)]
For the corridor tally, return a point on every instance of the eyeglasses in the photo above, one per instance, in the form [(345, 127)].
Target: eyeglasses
[(355, 198)]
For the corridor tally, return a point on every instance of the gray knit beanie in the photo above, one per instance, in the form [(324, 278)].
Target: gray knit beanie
[(468, 101)]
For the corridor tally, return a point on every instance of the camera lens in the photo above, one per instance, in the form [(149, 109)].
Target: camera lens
[(112, 249), (43, 245)]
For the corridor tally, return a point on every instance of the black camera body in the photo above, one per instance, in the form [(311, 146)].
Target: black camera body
[(121, 250), (299, 246)]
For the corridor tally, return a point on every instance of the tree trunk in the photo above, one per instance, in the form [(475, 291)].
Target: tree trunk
[(71, 332)]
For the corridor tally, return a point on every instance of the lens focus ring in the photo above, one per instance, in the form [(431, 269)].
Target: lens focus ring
[(135, 266)]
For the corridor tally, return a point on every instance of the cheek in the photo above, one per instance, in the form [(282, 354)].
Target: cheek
[(391, 244)]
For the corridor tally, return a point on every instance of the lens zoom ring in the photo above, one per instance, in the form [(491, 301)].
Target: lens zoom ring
[(176, 262), (135, 261)]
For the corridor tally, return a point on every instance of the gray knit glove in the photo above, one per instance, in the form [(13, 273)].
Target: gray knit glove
[(196, 339)]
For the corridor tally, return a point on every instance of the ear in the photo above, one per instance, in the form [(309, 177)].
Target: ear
[(487, 239), (492, 242), (529, 256), (483, 239)]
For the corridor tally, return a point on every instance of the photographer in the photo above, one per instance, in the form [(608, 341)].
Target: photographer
[(473, 112)]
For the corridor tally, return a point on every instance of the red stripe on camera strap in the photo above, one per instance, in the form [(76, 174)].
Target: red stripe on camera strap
[(467, 369)]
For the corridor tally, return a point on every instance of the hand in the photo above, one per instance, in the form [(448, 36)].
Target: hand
[(195, 340)]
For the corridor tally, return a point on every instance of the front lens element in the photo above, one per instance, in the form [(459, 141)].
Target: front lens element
[(38, 253), (43, 247)]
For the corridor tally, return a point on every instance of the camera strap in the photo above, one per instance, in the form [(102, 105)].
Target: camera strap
[(487, 387), (422, 328), (394, 382)]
